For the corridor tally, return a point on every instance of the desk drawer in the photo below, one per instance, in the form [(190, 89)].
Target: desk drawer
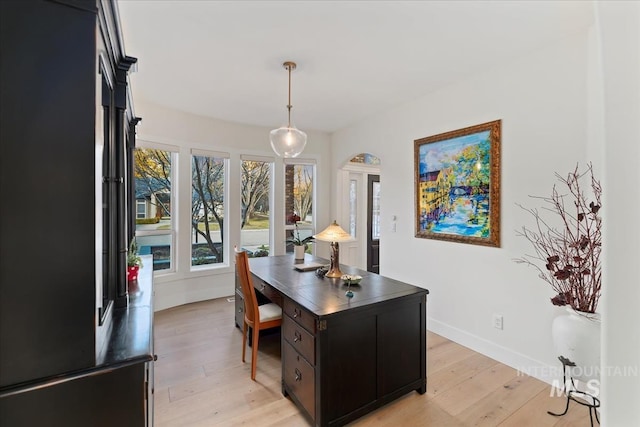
[(239, 307), (299, 315), (266, 290), (299, 338), (300, 378)]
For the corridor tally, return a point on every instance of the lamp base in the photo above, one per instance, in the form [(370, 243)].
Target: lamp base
[(334, 269), (334, 273)]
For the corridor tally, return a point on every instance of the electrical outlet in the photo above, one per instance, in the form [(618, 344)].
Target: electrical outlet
[(497, 321)]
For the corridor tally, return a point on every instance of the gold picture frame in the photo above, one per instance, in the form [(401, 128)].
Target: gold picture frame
[(457, 185)]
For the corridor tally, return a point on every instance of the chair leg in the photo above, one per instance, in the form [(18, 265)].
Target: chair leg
[(254, 352), (244, 339)]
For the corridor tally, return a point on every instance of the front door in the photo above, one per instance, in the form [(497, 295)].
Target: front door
[(373, 224)]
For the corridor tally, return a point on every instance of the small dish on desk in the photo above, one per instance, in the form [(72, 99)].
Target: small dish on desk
[(349, 279)]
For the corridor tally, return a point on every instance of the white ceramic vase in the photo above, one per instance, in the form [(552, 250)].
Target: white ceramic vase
[(577, 337), (298, 252)]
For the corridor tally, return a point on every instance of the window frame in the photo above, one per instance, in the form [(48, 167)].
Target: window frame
[(174, 179), (225, 236), (272, 222)]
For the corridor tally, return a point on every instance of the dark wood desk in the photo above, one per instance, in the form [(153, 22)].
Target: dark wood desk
[(344, 357)]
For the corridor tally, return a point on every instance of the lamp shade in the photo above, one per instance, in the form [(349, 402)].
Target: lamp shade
[(288, 141), (334, 233)]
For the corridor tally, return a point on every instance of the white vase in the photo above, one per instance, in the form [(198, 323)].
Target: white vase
[(298, 252), (577, 337)]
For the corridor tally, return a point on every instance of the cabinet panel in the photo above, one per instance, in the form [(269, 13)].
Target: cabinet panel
[(299, 378), (47, 159), (299, 338), (349, 364), (399, 347), (87, 401)]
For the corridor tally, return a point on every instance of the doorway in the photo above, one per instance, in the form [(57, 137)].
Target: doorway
[(359, 211), (373, 223)]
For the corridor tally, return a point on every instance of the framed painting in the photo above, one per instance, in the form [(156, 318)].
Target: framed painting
[(457, 185)]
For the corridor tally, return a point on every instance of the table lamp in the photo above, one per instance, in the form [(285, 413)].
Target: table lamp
[(334, 234)]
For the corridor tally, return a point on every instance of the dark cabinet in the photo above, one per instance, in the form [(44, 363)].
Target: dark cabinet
[(340, 367), (65, 313), (344, 357)]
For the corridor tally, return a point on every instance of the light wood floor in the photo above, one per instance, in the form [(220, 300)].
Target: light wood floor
[(201, 381)]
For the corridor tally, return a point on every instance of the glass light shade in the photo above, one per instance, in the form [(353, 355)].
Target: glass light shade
[(334, 233), (288, 141)]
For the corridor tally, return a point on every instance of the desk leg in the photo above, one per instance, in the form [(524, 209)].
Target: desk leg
[(423, 389)]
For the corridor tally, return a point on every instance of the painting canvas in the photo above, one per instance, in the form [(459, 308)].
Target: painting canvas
[(457, 185)]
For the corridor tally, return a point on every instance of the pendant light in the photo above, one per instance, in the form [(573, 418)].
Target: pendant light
[(288, 141)]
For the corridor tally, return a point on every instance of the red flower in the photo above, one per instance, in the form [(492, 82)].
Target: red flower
[(292, 218)]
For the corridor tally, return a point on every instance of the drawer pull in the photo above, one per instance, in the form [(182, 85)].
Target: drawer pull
[(296, 313), (298, 375), (240, 310), (297, 336), (262, 288)]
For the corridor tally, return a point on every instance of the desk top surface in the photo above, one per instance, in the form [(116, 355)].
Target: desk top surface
[(325, 296)]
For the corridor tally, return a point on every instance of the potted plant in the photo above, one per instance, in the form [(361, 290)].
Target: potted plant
[(134, 262), (567, 243), (299, 245)]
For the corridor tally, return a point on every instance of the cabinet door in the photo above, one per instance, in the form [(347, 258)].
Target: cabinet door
[(46, 211), (349, 370), (107, 399), (401, 357)]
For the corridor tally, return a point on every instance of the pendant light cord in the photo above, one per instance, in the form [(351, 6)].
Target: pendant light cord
[(289, 66)]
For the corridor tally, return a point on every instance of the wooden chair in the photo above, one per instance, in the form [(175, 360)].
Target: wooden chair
[(257, 317)]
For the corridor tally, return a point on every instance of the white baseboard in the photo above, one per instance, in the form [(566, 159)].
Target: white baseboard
[(550, 374)]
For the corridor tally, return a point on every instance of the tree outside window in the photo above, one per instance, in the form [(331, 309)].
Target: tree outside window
[(299, 181), (207, 209), (255, 207), (154, 226)]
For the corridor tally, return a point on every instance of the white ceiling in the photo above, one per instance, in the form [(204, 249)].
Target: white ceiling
[(223, 59)]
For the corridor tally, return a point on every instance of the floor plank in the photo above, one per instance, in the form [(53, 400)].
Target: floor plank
[(201, 381)]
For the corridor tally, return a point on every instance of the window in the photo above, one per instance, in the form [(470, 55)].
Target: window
[(208, 207), (141, 209), (255, 206), (299, 198), (353, 207), (154, 193), (366, 159), (375, 210)]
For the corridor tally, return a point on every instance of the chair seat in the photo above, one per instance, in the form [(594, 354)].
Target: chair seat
[(269, 312)]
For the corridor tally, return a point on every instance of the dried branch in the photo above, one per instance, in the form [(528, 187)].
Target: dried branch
[(568, 257)]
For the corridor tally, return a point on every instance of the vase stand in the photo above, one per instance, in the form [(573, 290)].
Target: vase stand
[(573, 394)]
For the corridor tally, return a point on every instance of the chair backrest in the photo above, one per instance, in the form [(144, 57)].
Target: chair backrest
[(250, 300)]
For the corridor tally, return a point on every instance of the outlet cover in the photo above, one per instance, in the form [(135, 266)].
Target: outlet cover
[(497, 321)]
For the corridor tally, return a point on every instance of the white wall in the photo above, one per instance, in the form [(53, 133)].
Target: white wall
[(541, 99), (167, 126), (619, 37), (559, 105)]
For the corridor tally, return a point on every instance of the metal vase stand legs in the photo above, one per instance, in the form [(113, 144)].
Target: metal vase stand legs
[(572, 393)]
